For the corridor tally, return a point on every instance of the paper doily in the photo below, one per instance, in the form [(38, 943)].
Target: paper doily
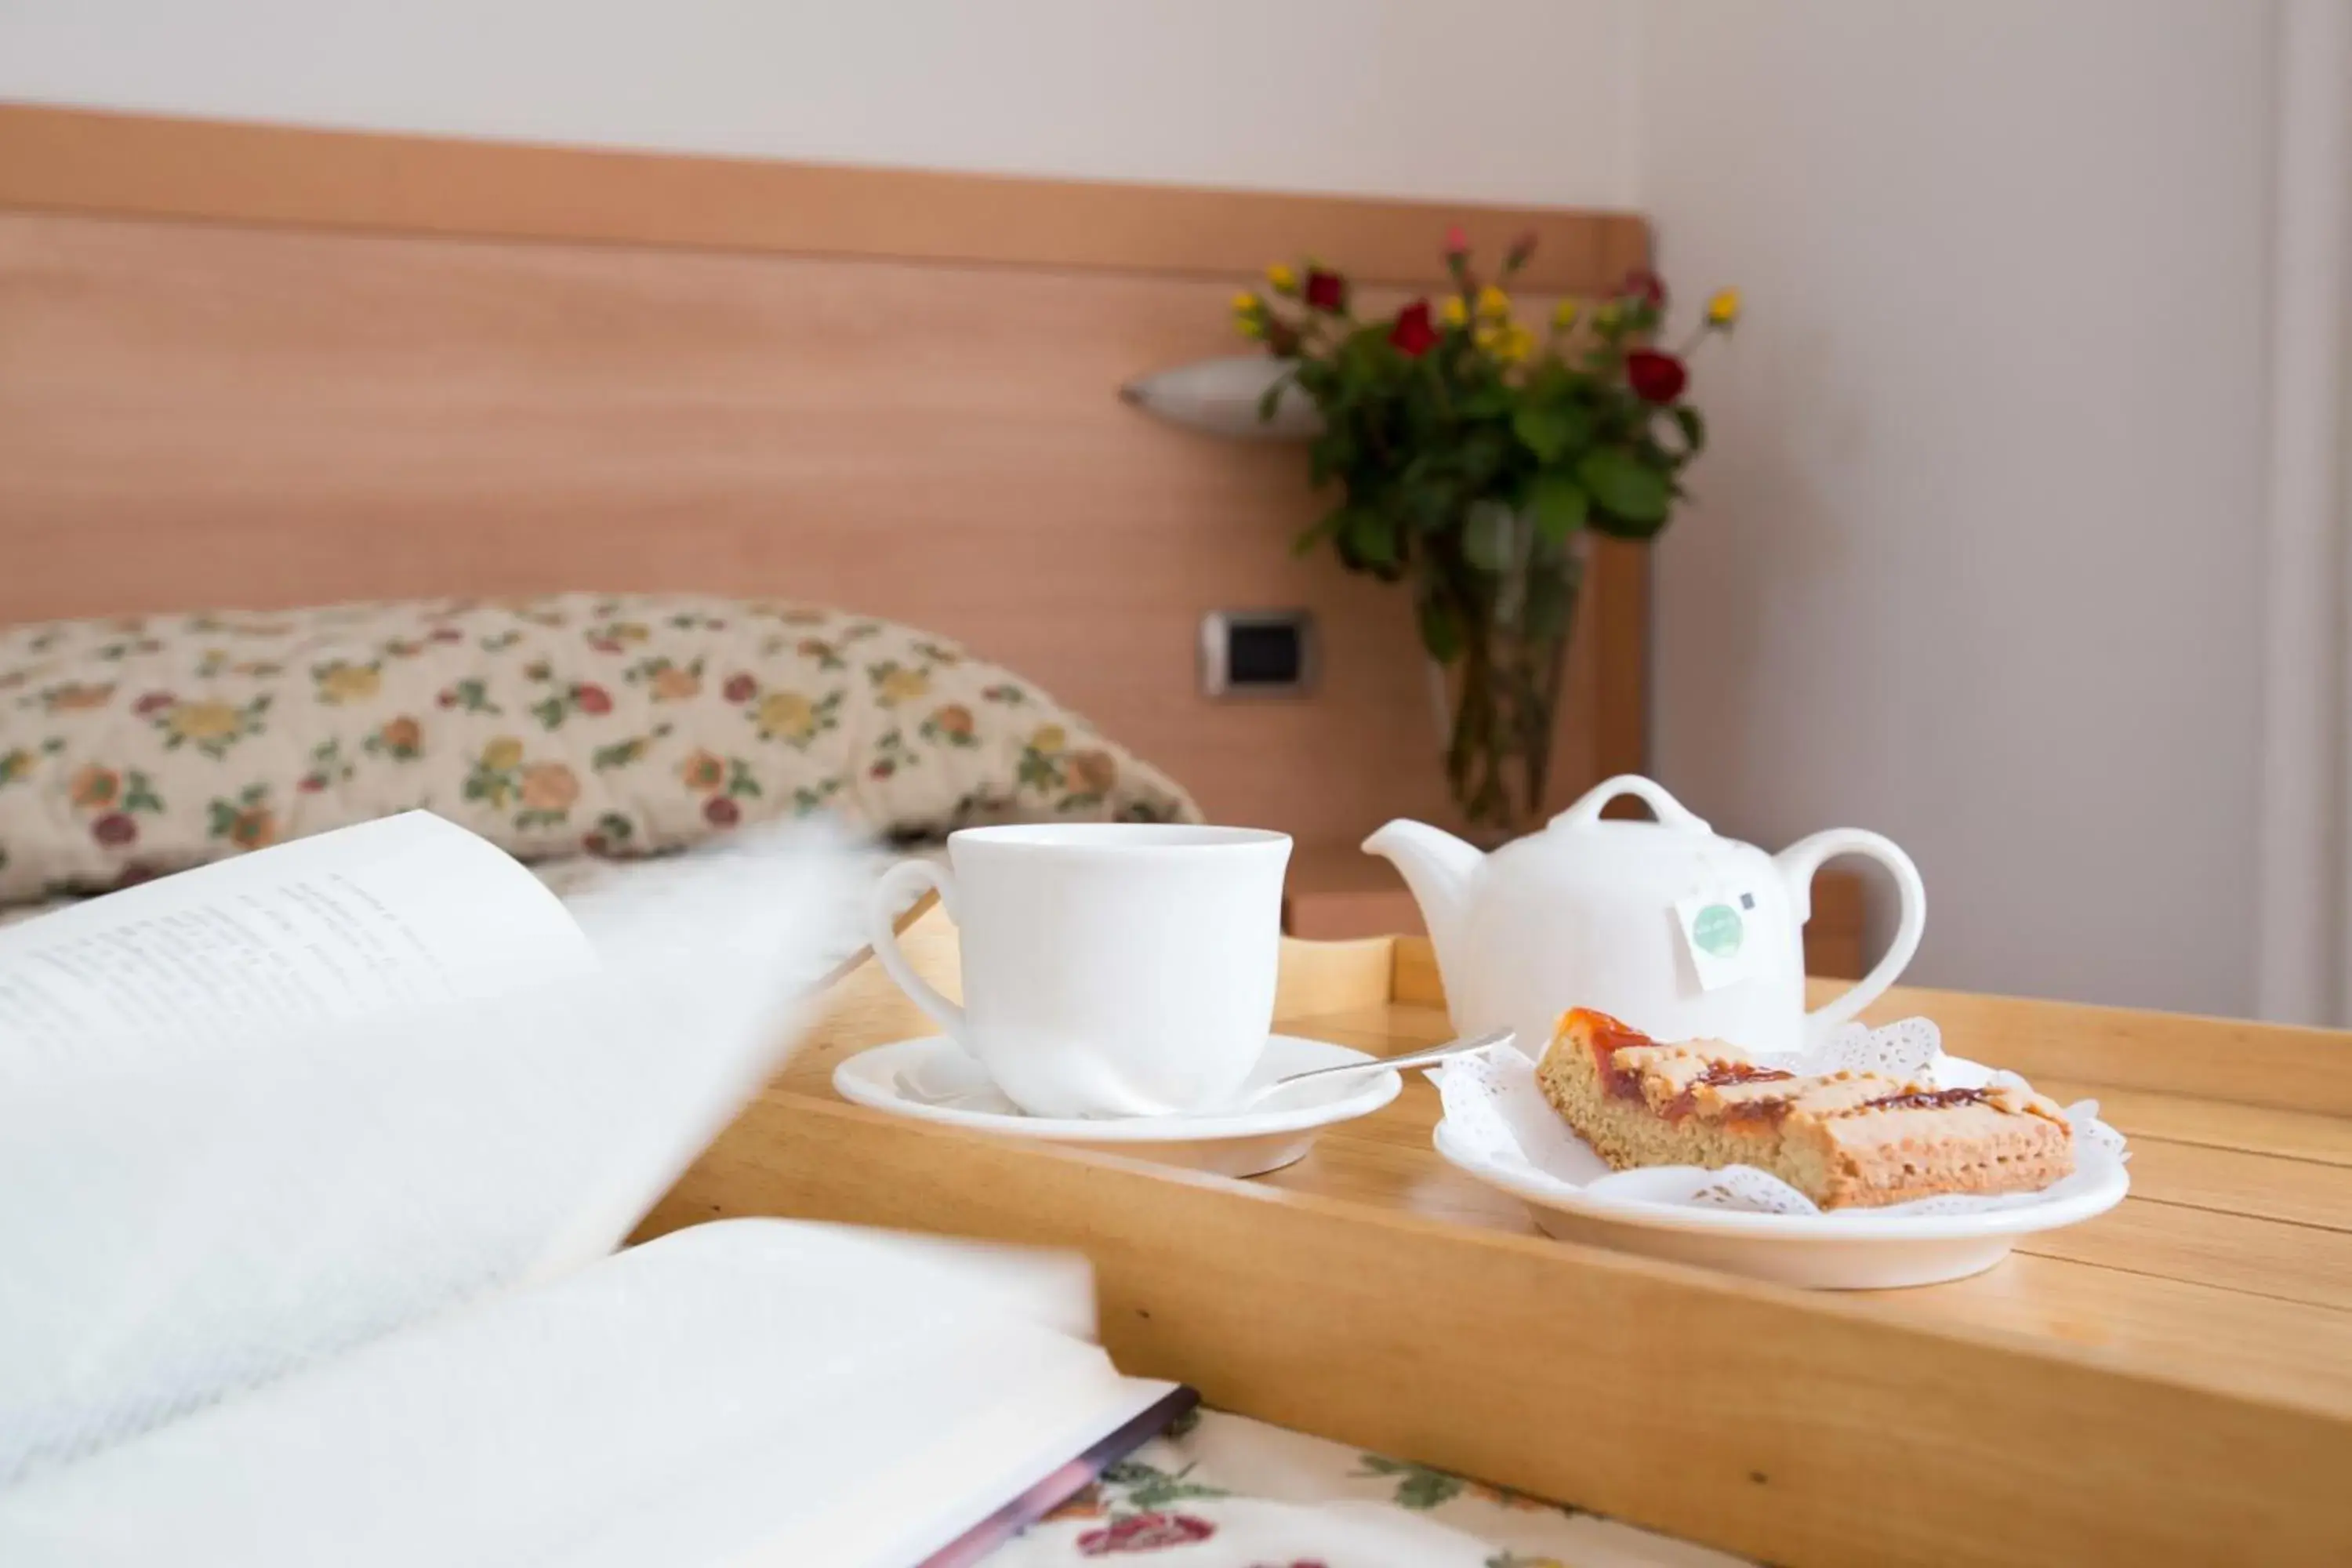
[(1496, 1112)]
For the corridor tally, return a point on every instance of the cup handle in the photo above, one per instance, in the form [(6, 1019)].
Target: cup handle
[(1797, 865), (889, 895)]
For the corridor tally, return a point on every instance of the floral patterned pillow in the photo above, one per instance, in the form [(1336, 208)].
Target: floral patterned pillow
[(621, 725)]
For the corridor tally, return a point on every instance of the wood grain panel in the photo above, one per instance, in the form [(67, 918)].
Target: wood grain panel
[(195, 415), (163, 166)]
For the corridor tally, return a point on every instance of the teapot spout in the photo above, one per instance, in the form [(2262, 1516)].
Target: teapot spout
[(1439, 868)]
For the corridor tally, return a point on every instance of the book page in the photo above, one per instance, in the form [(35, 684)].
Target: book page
[(395, 914), (183, 1225), (746, 1391)]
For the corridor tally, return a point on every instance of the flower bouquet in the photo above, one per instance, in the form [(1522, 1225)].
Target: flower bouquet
[(1472, 453)]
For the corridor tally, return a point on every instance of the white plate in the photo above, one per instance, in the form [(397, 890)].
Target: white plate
[(1846, 1251), (1229, 1145)]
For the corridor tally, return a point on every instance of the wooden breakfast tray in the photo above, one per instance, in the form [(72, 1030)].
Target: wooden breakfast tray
[(2171, 1381)]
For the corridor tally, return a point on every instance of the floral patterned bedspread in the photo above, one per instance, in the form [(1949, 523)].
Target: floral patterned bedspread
[(1221, 1491)]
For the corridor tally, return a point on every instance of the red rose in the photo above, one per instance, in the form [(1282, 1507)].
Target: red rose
[(1655, 377), (154, 702), (1457, 241), (594, 844), (605, 645), (1145, 1533), (115, 830), (1413, 334), (721, 811), (593, 698), (739, 688), (311, 784), (1327, 290), (446, 634), (1645, 285)]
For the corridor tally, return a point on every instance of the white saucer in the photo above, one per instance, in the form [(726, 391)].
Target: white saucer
[(1246, 1144), (1844, 1251)]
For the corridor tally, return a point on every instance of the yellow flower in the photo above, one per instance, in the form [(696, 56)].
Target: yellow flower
[(1049, 740), (1563, 315), (1454, 313), (787, 716), (1724, 309), (1514, 343), (1282, 280), (348, 683), (1492, 302), (201, 720), (1607, 315), (1249, 314), (503, 753), (902, 685)]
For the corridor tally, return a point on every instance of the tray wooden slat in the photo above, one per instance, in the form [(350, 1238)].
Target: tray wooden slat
[(2212, 1123), (2171, 1381)]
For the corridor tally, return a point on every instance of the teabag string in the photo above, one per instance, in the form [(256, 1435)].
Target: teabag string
[(1496, 1112)]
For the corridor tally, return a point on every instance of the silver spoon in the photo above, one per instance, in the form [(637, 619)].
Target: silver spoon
[(1426, 1057)]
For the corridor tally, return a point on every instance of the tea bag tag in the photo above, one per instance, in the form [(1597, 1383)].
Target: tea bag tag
[(1720, 931)]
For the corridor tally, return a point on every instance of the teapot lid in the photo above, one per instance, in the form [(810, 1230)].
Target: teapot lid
[(1672, 814)]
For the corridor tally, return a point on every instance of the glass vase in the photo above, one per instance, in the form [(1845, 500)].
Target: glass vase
[(1498, 699)]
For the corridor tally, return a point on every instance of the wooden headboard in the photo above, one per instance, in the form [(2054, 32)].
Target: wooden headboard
[(244, 366)]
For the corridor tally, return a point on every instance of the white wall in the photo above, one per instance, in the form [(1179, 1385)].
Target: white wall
[(1977, 560), (1494, 99)]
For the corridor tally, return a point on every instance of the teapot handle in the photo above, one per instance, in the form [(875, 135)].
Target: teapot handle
[(1797, 865), (1670, 812)]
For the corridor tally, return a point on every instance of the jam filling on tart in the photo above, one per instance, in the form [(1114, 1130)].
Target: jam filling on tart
[(1722, 1073), (1928, 1100), (1609, 1036)]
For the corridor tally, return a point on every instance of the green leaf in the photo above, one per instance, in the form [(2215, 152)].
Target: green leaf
[(1486, 403), (1624, 485), (1325, 527), (1486, 535), (1441, 630), (1693, 428), (1370, 539), (1548, 429), (1559, 505)]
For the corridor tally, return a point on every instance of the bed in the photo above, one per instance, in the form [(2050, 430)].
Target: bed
[(252, 376)]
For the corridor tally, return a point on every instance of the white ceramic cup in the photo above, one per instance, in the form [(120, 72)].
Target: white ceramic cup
[(1110, 969)]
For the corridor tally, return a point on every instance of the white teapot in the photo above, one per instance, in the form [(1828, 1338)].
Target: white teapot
[(1682, 934)]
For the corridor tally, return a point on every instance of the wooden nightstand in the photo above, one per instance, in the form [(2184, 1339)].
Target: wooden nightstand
[(1337, 891)]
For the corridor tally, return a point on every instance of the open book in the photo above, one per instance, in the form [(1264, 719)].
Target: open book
[(311, 1168)]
